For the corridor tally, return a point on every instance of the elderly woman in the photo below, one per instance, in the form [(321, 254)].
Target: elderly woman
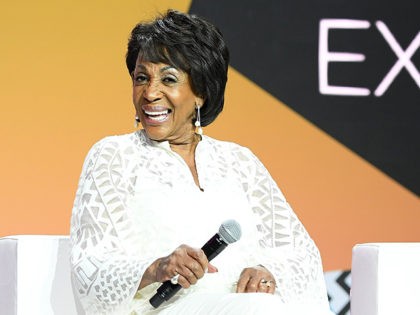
[(148, 201)]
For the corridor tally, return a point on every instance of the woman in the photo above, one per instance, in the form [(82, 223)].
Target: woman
[(143, 196)]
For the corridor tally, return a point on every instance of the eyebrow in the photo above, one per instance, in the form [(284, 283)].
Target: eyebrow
[(168, 67)]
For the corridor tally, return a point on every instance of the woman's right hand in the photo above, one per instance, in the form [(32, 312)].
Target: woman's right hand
[(190, 263)]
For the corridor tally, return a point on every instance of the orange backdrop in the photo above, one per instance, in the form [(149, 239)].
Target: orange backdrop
[(64, 86)]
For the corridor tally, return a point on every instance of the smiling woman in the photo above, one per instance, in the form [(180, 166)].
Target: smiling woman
[(149, 200), (165, 102)]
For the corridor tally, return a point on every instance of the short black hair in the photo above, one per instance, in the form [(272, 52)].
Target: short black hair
[(189, 43)]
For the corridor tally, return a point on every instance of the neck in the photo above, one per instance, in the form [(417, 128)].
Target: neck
[(187, 146)]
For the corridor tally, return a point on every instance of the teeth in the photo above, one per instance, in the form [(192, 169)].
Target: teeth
[(159, 118), (164, 112)]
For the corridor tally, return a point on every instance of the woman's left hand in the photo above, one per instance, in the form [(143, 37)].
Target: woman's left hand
[(256, 279)]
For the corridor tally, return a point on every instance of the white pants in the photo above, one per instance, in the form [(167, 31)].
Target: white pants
[(238, 304)]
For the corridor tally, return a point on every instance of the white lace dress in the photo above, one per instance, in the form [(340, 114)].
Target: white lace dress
[(137, 201)]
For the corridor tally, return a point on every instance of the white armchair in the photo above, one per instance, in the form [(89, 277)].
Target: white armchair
[(386, 279), (35, 276)]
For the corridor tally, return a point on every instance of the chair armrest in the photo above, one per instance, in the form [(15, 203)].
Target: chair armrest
[(35, 275), (385, 279)]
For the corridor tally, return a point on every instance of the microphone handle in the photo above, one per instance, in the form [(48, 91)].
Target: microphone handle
[(164, 293), (214, 246)]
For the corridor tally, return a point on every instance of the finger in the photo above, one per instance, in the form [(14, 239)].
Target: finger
[(191, 271), (211, 268), (242, 283), (183, 282), (171, 265), (252, 285), (199, 256), (264, 286), (272, 287), (267, 286)]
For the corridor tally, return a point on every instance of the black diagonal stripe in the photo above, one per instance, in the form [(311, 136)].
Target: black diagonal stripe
[(341, 280), (275, 44)]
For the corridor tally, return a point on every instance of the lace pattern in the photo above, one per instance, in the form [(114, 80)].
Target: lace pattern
[(106, 262)]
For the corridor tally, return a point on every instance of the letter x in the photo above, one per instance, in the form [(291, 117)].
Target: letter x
[(404, 59)]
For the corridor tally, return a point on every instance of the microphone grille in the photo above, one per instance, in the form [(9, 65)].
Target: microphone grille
[(230, 231)]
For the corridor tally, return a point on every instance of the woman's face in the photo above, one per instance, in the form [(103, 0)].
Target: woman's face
[(164, 101)]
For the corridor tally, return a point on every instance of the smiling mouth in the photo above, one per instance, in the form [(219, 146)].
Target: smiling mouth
[(157, 116)]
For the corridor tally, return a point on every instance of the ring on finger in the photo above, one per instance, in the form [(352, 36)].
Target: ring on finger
[(266, 282), (174, 279)]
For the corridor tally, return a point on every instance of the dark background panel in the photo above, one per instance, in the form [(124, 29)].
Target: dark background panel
[(275, 44)]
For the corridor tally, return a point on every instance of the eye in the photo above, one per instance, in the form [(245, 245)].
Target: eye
[(140, 78), (169, 79)]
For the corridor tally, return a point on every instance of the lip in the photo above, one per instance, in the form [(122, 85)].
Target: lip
[(154, 108)]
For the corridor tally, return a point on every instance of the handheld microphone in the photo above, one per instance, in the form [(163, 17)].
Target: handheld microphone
[(229, 232)]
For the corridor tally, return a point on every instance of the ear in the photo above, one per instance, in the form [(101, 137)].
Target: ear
[(199, 101)]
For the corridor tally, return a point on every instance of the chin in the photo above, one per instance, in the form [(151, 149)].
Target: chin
[(157, 135)]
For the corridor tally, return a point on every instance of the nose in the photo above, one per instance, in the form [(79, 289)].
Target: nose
[(152, 91)]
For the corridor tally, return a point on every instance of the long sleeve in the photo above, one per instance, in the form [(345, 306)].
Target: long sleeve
[(286, 248), (119, 207), (105, 265)]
